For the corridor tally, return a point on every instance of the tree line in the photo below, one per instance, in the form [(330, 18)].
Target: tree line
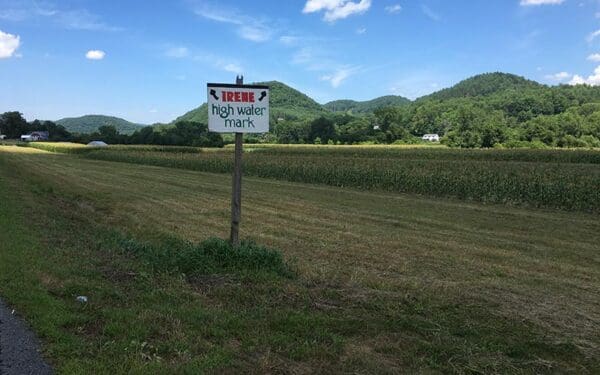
[(524, 116), (183, 133), (494, 111)]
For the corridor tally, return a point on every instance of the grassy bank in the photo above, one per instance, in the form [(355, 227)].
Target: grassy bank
[(380, 283)]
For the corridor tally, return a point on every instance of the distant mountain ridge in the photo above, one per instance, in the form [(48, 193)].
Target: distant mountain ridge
[(291, 104), (483, 85), (91, 123), (367, 106)]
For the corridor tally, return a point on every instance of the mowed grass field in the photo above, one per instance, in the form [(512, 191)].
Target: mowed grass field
[(379, 282)]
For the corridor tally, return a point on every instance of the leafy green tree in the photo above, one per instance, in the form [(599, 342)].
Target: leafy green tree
[(13, 125), (355, 131), (322, 128), (293, 131)]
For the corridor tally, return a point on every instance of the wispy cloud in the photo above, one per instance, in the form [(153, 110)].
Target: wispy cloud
[(340, 75), (590, 38), (9, 44), (595, 57), (71, 19), (430, 13), (248, 27), (14, 15), (336, 9), (81, 20), (174, 51), (361, 30), (321, 61), (393, 9), (541, 2)]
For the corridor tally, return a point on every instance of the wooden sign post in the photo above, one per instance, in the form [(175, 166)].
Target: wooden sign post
[(239, 109), (236, 192)]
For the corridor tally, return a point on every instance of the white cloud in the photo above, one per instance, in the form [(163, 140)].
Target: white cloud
[(392, 9), (95, 54), (595, 57), (577, 80), (361, 30), (254, 33), (339, 76), (593, 80), (8, 44), (250, 28), (592, 36), (541, 2), (336, 9), (81, 20), (558, 77), (177, 52), (153, 110)]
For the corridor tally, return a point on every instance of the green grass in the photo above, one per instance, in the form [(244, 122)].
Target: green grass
[(380, 283), (209, 257)]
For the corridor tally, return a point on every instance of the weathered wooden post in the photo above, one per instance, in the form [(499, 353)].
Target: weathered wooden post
[(236, 192)]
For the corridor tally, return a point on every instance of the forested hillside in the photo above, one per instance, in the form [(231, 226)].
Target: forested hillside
[(484, 85), (92, 123), (499, 109), (368, 106)]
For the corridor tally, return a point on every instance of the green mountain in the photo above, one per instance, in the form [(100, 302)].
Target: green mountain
[(90, 123), (285, 102), (199, 114), (368, 106), (484, 85), (291, 104)]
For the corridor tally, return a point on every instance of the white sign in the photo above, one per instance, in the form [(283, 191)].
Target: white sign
[(238, 108)]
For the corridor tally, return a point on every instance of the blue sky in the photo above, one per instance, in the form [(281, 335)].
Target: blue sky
[(149, 60)]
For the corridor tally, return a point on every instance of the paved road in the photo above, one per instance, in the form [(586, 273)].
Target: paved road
[(19, 348)]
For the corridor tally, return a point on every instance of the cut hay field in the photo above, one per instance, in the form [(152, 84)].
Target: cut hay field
[(374, 281)]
